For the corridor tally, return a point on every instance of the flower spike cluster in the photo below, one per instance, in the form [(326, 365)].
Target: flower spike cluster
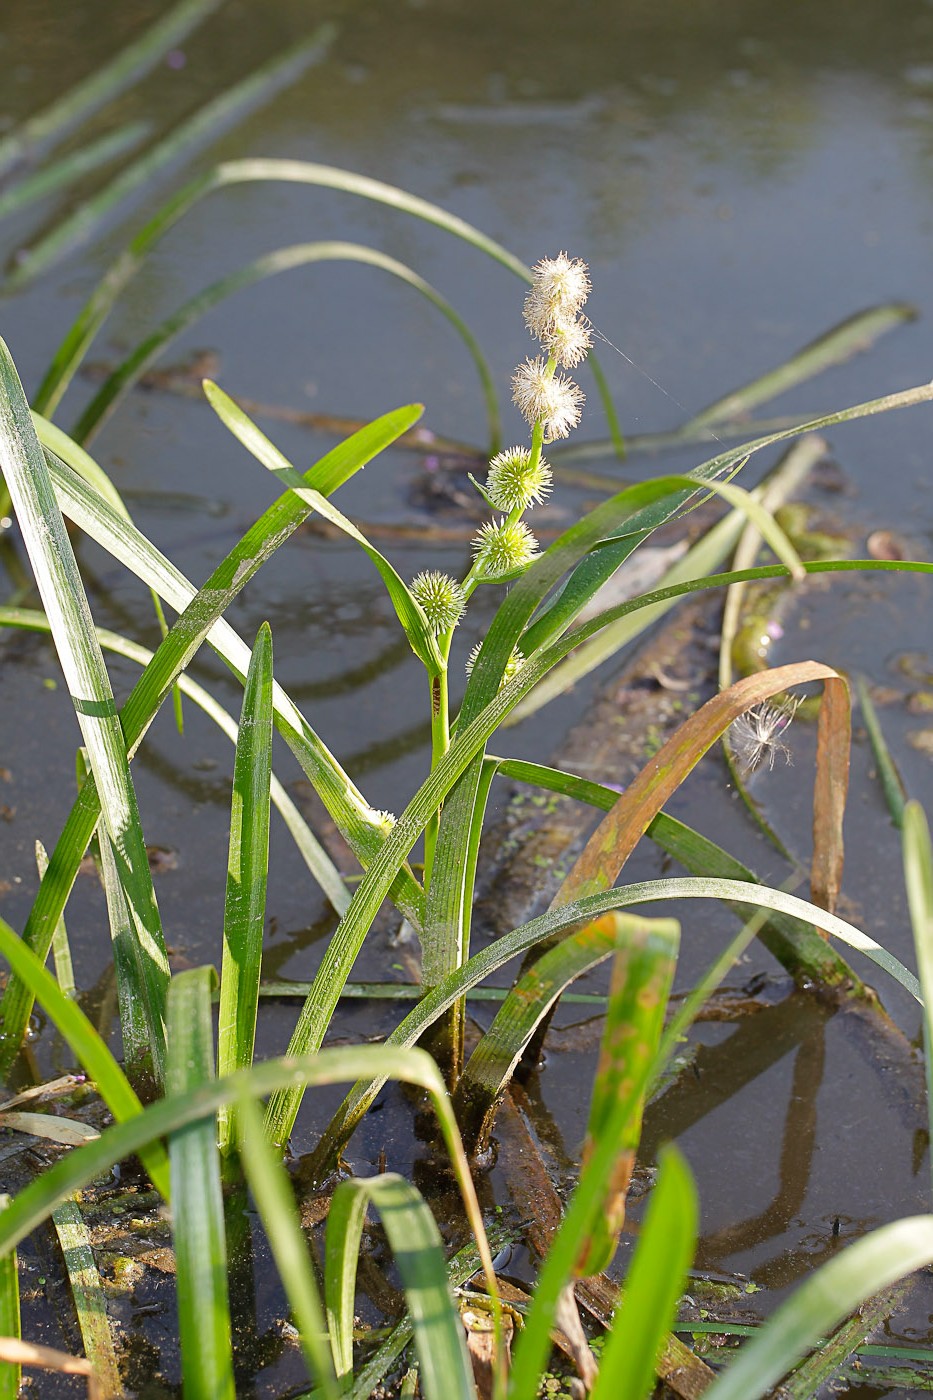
[(553, 307)]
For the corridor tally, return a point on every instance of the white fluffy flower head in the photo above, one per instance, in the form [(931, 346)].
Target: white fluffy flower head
[(513, 483), (560, 287), (570, 342), (551, 399), (501, 546)]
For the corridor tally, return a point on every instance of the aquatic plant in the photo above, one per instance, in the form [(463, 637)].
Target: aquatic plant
[(211, 1121)]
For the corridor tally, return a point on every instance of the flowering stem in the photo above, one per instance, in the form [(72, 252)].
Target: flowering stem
[(440, 743)]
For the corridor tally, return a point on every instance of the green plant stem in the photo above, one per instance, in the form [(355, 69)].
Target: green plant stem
[(440, 743)]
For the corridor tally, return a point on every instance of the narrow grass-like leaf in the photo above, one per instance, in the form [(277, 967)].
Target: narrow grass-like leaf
[(81, 335), (501, 1047), (247, 872), (202, 615), (642, 973), (409, 612), (89, 1299), (10, 1371), (702, 557), (707, 554), (556, 921), (460, 1269), (312, 852), (197, 1202), (64, 114), (345, 1220), (275, 1202), (61, 949), (594, 570), (653, 1285), (892, 784), (270, 265), (837, 345), (81, 224), (135, 1027), (72, 1024), (169, 1115), (824, 1364), (918, 877), (67, 171), (586, 1204), (416, 1245), (822, 1301), (23, 466)]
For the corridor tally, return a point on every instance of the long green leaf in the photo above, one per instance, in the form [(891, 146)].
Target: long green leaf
[(10, 1372), (586, 1205), (595, 569), (247, 872), (642, 973), (61, 948), (460, 1269), (653, 1285), (416, 1244), (556, 921), (74, 1027), (918, 877), (79, 226), (833, 348), (63, 116), (72, 168), (409, 612), (275, 1202), (892, 785), (81, 335), (168, 1115), (202, 616), (197, 1202), (270, 265), (312, 852), (820, 1304), (23, 467), (130, 977), (88, 1294), (493, 1062)]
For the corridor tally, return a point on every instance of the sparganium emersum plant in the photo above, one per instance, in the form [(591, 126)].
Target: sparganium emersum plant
[(518, 478)]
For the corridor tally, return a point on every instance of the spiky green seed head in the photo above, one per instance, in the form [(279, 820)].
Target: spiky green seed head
[(513, 483), (501, 547), (441, 599)]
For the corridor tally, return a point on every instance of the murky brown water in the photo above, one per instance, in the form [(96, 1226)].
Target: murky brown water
[(740, 177)]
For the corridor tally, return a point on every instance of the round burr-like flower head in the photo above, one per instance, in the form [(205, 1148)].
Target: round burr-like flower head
[(501, 547), (441, 598), (551, 399), (514, 483)]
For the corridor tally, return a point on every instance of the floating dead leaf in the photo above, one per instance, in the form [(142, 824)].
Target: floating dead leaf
[(922, 741), (67, 1131)]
